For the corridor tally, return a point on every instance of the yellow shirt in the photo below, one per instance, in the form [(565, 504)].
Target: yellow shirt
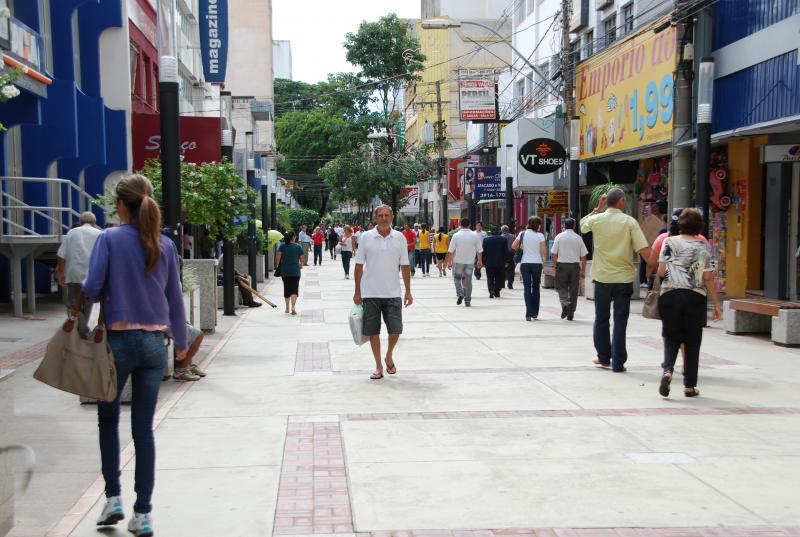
[(424, 240), (440, 246), (616, 237)]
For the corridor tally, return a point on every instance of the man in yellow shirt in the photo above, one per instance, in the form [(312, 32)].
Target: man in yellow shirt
[(616, 237)]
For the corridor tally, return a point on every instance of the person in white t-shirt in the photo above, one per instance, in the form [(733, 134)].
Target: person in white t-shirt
[(569, 257), (534, 252), (465, 247), (382, 255), (73, 262), (481, 235)]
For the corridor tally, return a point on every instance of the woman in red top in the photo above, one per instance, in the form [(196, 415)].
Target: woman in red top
[(318, 238)]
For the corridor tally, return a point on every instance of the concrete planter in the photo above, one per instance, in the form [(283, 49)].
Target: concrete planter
[(6, 474), (240, 263), (206, 270)]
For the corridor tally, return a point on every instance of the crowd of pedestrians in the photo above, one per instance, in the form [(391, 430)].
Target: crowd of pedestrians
[(136, 259)]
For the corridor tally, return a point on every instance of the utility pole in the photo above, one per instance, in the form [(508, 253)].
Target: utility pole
[(440, 165), (680, 175), (571, 125)]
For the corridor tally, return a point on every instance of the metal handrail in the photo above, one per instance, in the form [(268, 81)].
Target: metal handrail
[(16, 221)]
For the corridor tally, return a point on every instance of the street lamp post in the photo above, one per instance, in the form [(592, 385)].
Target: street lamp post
[(168, 91), (228, 291), (705, 98), (574, 168), (510, 186), (251, 221)]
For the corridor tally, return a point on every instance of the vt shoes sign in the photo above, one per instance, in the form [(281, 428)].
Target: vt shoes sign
[(542, 155)]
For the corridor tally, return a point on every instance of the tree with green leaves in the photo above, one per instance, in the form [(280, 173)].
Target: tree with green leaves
[(388, 57)]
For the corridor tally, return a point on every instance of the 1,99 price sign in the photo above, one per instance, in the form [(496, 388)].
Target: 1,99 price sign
[(626, 94)]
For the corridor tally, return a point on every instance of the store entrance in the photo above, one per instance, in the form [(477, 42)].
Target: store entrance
[(794, 236)]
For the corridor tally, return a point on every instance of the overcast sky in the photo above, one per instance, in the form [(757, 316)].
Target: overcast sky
[(317, 28)]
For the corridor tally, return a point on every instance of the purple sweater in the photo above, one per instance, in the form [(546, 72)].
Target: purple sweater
[(131, 295)]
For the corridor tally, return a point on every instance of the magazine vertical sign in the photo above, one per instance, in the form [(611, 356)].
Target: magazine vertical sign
[(213, 22), (477, 96)]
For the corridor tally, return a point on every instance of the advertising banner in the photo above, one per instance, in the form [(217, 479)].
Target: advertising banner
[(201, 139), (476, 95), (488, 183), (213, 21), (625, 95)]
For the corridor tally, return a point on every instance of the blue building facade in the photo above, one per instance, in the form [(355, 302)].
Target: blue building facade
[(65, 128)]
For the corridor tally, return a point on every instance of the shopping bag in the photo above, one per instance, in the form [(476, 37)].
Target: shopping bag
[(356, 319), (83, 366), (650, 307)]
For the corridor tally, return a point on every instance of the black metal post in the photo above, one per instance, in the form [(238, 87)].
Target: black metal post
[(574, 178), (265, 224), (273, 207), (425, 209), (171, 160), (251, 229), (703, 169), (228, 282), (510, 201)]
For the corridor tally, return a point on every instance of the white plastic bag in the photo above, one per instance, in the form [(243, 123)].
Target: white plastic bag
[(356, 318)]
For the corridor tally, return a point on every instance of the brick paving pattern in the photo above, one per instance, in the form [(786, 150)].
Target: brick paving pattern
[(311, 357), (312, 316), (597, 532), (313, 496), (573, 413), (24, 356)]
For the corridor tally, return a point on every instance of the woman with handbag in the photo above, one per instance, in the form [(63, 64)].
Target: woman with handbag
[(534, 252), (134, 271), (685, 266), (290, 260)]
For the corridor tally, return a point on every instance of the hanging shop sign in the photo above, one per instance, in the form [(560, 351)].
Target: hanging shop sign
[(625, 95), (477, 98), (780, 153), (214, 39), (580, 15), (553, 202), (542, 155), (488, 183)]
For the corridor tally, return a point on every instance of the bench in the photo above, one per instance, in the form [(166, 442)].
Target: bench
[(779, 318)]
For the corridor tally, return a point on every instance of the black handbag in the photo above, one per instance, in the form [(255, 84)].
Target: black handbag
[(518, 252)]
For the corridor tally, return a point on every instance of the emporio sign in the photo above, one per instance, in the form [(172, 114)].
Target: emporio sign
[(214, 39), (625, 94)]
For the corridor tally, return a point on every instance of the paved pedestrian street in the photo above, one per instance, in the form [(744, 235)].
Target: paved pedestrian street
[(492, 427)]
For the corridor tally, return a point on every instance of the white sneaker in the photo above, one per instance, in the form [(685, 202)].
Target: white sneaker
[(141, 525), (112, 512)]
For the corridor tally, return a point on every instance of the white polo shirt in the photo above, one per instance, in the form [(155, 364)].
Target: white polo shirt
[(76, 251), (465, 244), (569, 247), (381, 257)]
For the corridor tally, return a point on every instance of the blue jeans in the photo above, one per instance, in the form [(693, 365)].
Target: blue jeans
[(462, 270), (425, 261), (346, 261), (412, 260), (611, 350), (531, 281), (142, 355)]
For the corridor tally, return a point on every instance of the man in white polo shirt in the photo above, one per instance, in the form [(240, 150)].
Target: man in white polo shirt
[(569, 256), (464, 247), (382, 255), (73, 263)]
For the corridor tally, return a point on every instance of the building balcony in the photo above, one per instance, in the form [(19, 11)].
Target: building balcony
[(22, 43)]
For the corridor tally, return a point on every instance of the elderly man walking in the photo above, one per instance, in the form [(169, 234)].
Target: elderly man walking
[(617, 237), (305, 242), (382, 255), (569, 257), (464, 247), (73, 262)]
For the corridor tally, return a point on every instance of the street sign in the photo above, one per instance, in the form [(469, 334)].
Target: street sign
[(542, 155), (488, 183), (780, 153)]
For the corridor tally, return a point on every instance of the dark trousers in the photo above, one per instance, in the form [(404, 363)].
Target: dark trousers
[(141, 355), (346, 261), (494, 279), (531, 282), (318, 254), (424, 258), (683, 314), (567, 284), (510, 273), (611, 350)]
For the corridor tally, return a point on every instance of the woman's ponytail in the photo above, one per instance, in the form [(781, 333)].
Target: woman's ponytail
[(136, 192)]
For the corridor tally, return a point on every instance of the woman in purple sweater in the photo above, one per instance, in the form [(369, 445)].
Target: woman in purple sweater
[(134, 271)]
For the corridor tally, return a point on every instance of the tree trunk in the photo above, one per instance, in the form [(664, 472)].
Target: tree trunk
[(324, 204)]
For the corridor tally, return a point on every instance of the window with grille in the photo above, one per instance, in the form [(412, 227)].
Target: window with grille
[(627, 17), (610, 29), (588, 44)]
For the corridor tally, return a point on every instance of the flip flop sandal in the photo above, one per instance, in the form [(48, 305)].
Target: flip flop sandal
[(391, 369), (694, 392), (376, 376), (663, 388)]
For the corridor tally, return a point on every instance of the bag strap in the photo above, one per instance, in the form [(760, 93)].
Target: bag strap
[(76, 310)]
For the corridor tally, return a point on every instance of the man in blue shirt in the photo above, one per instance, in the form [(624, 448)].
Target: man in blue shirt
[(495, 255)]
